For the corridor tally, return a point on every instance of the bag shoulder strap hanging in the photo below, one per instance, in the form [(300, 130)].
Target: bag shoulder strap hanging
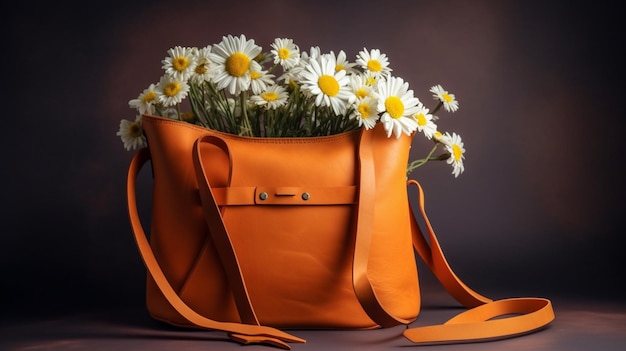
[(477, 323), (243, 333)]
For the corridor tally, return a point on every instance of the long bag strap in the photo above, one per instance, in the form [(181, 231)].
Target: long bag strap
[(522, 315), (243, 333)]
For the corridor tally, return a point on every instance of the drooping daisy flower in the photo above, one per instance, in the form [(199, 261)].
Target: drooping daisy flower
[(397, 106), (234, 58), (342, 62), (205, 68), (445, 139), (329, 87), (171, 91), (180, 63), (373, 61), (457, 154), (144, 103), (364, 110), (449, 101), (260, 80), (425, 122), (285, 52), (272, 98), (132, 134)]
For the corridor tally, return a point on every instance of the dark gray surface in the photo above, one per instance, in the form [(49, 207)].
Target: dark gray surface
[(579, 326)]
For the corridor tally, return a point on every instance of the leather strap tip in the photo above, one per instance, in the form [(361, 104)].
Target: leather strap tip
[(261, 340)]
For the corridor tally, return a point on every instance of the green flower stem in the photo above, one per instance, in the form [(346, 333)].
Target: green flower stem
[(417, 163), (246, 128), (437, 108)]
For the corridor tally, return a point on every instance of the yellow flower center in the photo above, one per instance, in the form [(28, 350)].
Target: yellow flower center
[(269, 96), (457, 152), (365, 110), (201, 69), (339, 67), (361, 93), (149, 96), (180, 63), (284, 53), (328, 85), (447, 98), (437, 135), (374, 66), (255, 75), (394, 107), (135, 130), (421, 120), (237, 64), (370, 81), (172, 89)]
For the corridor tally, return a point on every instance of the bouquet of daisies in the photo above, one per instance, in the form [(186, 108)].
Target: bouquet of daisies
[(236, 87)]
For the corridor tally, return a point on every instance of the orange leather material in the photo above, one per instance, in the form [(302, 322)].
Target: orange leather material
[(259, 334), (297, 260), (297, 233), (433, 256), (485, 318), (480, 323)]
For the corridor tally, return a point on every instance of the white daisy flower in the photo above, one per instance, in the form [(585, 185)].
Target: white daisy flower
[(145, 102), (180, 63), (425, 122), (342, 62), (205, 68), (444, 139), (329, 87), (263, 57), (171, 91), (374, 62), (132, 134), (295, 73), (260, 80), (457, 153), (449, 101), (234, 57), (314, 53), (359, 86), (397, 106), (285, 52), (364, 110), (272, 98)]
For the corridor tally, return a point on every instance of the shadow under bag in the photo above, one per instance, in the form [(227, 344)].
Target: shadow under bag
[(250, 235)]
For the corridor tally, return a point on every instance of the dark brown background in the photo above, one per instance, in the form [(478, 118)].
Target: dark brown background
[(540, 84)]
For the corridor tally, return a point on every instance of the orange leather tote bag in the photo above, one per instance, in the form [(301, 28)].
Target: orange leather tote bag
[(250, 235)]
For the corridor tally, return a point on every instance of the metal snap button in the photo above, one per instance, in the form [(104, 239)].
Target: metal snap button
[(263, 196), (306, 196)]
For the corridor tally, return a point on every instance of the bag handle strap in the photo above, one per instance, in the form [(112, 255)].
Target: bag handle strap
[(242, 333), (477, 323), (218, 232), (434, 258), (365, 213)]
